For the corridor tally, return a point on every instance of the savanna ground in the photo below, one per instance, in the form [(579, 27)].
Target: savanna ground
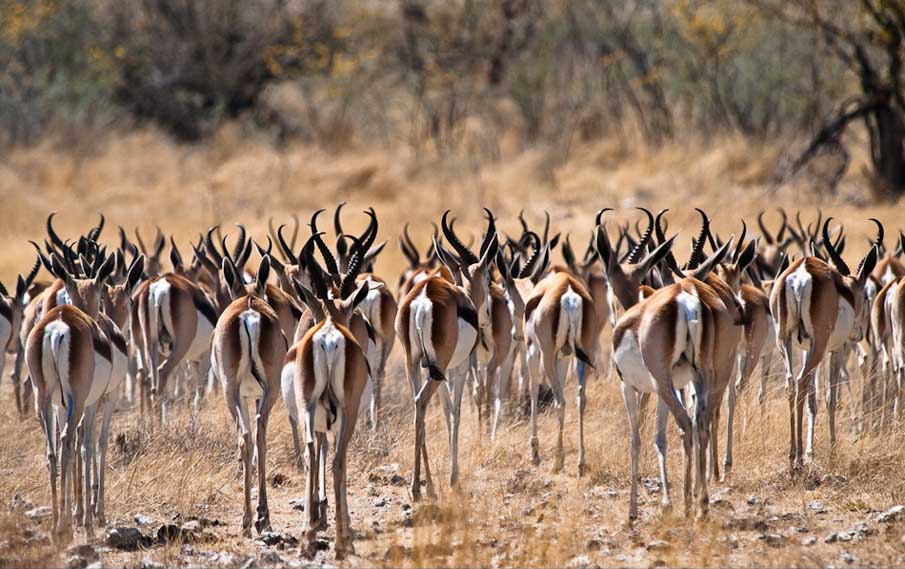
[(506, 512)]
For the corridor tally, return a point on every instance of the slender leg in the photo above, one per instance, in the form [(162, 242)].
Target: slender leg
[(454, 421), (48, 421), (109, 407), (660, 444), (421, 400), (88, 455), (296, 447), (630, 397), (813, 386), (245, 450), (67, 446), (534, 379), (343, 543), (559, 369), (700, 440), (581, 372), (322, 447), (262, 522), (504, 377), (831, 395)]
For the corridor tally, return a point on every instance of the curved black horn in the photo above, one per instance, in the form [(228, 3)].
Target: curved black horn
[(881, 233), (740, 245), (337, 225), (240, 244), (95, 233), (531, 263), (329, 259), (491, 232), (286, 247), (211, 246), (698, 249), (834, 255), (468, 258), (763, 229), (641, 246), (54, 238), (599, 215)]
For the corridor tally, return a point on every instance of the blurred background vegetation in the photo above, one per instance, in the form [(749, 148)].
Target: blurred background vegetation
[(461, 77)]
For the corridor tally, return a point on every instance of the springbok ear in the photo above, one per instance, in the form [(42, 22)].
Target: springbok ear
[(747, 256), (136, 271), (657, 255), (715, 258), (105, 271), (868, 264), (58, 269), (372, 253), (262, 276), (229, 277), (306, 295), (21, 289), (3, 291), (356, 298)]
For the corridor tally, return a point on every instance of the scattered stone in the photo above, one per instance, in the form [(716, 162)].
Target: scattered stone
[(817, 507), (150, 564), (651, 484), (193, 526), (891, 515), (142, 520), (720, 503), (271, 538), (126, 539), (833, 478), (773, 539), (396, 552), (168, 533), (658, 545), (297, 504), (222, 558), (397, 480), (850, 558), (752, 500), (809, 540), (857, 533), (380, 502), (594, 545), (81, 557), (279, 479), (580, 562), (18, 503), (39, 512), (271, 558), (730, 540)]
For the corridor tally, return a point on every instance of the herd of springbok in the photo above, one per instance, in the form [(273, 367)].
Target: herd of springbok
[(314, 325)]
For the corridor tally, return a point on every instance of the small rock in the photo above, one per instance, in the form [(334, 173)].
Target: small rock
[(297, 504), (150, 564), (380, 502), (720, 503), (891, 515), (731, 540), (271, 558), (809, 540), (39, 512), (170, 532), (18, 503), (594, 545), (837, 537), (397, 480), (222, 558), (272, 538), (652, 485), (126, 538), (396, 552), (658, 545), (850, 558), (817, 507), (580, 562), (81, 557), (752, 499), (279, 479), (142, 520), (773, 539)]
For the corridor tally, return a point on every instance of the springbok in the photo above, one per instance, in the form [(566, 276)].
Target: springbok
[(440, 325), (247, 351), (819, 307), (172, 319), (329, 372), (12, 308), (76, 358), (661, 344)]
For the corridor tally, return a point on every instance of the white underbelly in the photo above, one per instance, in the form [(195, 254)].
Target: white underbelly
[(467, 337), (201, 343), (845, 322), (100, 382), (631, 366)]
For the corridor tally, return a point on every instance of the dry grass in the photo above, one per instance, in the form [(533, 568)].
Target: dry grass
[(507, 512)]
